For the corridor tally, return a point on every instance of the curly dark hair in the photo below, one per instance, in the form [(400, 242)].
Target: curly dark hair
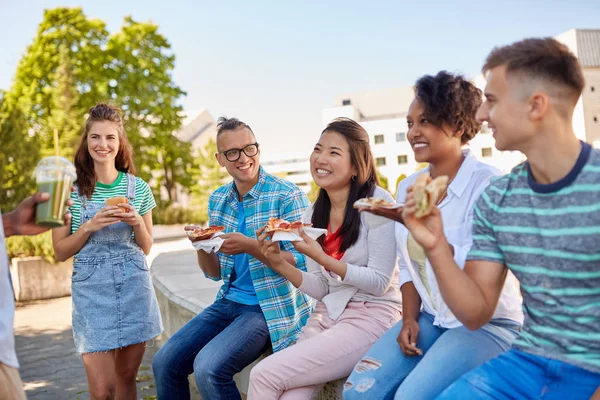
[(451, 99)]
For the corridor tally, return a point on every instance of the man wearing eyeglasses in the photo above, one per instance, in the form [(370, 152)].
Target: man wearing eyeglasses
[(256, 308)]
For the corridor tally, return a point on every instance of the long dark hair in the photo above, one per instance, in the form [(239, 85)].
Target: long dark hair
[(362, 184), (84, 163)]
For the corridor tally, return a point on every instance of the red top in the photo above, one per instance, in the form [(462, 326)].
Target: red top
[(332, 244)]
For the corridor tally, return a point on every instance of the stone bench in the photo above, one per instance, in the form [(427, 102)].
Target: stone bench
[(183, 292)]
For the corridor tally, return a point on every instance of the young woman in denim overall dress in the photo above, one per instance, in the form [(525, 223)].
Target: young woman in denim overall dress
[(115, 310)]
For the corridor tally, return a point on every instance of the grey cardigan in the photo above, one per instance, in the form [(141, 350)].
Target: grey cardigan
[(372, 274)]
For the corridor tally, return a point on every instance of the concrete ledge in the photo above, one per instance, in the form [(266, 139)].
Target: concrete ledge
[(34, 278), (183, 292)]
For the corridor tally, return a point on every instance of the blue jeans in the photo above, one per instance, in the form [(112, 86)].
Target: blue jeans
[(519, 375), (385, 372), (215, 345)]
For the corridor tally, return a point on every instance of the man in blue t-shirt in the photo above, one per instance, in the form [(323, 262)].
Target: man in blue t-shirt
[(256, 308), (541, 222)]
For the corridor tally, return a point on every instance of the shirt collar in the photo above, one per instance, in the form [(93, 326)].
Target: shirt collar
[(255, 191), (463, 176)]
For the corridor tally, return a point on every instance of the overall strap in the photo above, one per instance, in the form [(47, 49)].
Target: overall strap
[(131, 182)]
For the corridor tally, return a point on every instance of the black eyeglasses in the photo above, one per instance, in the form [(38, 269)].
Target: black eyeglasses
[(234, 154)]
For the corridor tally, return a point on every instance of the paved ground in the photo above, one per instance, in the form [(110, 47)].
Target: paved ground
[(50, 367)]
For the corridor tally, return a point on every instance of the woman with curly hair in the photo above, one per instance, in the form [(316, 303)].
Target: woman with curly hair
[(429, 349)]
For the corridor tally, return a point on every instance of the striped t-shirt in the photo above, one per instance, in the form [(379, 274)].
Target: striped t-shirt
[(144, 199), (549, 237)]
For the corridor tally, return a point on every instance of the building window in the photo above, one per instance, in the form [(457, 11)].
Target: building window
[(401, 137), (346, 102), (486, 152), (402, 159), (595, 119), (380, 161), (593, 88), (378, 139), (484, 128)]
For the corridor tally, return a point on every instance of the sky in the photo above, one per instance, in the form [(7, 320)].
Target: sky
[(277, 64)]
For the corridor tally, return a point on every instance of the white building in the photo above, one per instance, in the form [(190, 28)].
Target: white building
[(198, 128), (294, 167), (383, 115), (585, 44)]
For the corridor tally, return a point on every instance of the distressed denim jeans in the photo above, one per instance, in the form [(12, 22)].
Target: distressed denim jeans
[(386, 373)]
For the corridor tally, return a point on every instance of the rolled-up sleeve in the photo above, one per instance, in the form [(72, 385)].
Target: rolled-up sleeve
[(314, 282)]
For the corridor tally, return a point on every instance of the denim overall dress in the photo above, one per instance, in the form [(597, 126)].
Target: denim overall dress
[(114, 304)]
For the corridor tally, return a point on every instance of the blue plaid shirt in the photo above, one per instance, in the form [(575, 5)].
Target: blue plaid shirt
[(285, 308)]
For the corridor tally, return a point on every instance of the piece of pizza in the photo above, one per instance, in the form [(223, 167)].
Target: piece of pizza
[(195, 232), (281, 225), (374, 202), (428, 192)]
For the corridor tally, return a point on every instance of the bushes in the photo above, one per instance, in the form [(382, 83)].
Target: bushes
[(178, 215), (31, 246)]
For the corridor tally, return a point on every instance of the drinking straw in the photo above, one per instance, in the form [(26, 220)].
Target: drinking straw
[(58, 187), (56, 142)]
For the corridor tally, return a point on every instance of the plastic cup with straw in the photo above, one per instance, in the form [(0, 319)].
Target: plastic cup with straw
[(54, 175)]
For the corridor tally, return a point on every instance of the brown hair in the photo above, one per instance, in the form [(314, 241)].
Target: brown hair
[(544, 58), (84, 164), (362, 185), (451, 99), (230, 124)]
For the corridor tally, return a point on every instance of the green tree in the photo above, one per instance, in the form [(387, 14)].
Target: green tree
[(72, 63), (208, 174), (140, 80), (18, 157), (65, 116), (383, 180), (34, 89)]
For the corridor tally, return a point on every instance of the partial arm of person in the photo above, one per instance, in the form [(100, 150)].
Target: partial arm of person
[(294, 209), (411, 309), (237, 243), (66, 244), (375, 278), (141, 224), (209, 264), (143, 233), (272, 253), (472, 295), (21, 221), (312, 282)]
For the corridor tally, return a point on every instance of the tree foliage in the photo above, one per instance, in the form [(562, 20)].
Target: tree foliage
[(64, 114), (208, 174), (18, 156), (73, 63), (140, 65)]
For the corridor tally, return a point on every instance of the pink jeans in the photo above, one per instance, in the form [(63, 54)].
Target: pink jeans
[(326, 350)]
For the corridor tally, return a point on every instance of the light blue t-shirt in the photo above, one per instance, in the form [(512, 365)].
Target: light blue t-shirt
[(242, 289), (8, 355)]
